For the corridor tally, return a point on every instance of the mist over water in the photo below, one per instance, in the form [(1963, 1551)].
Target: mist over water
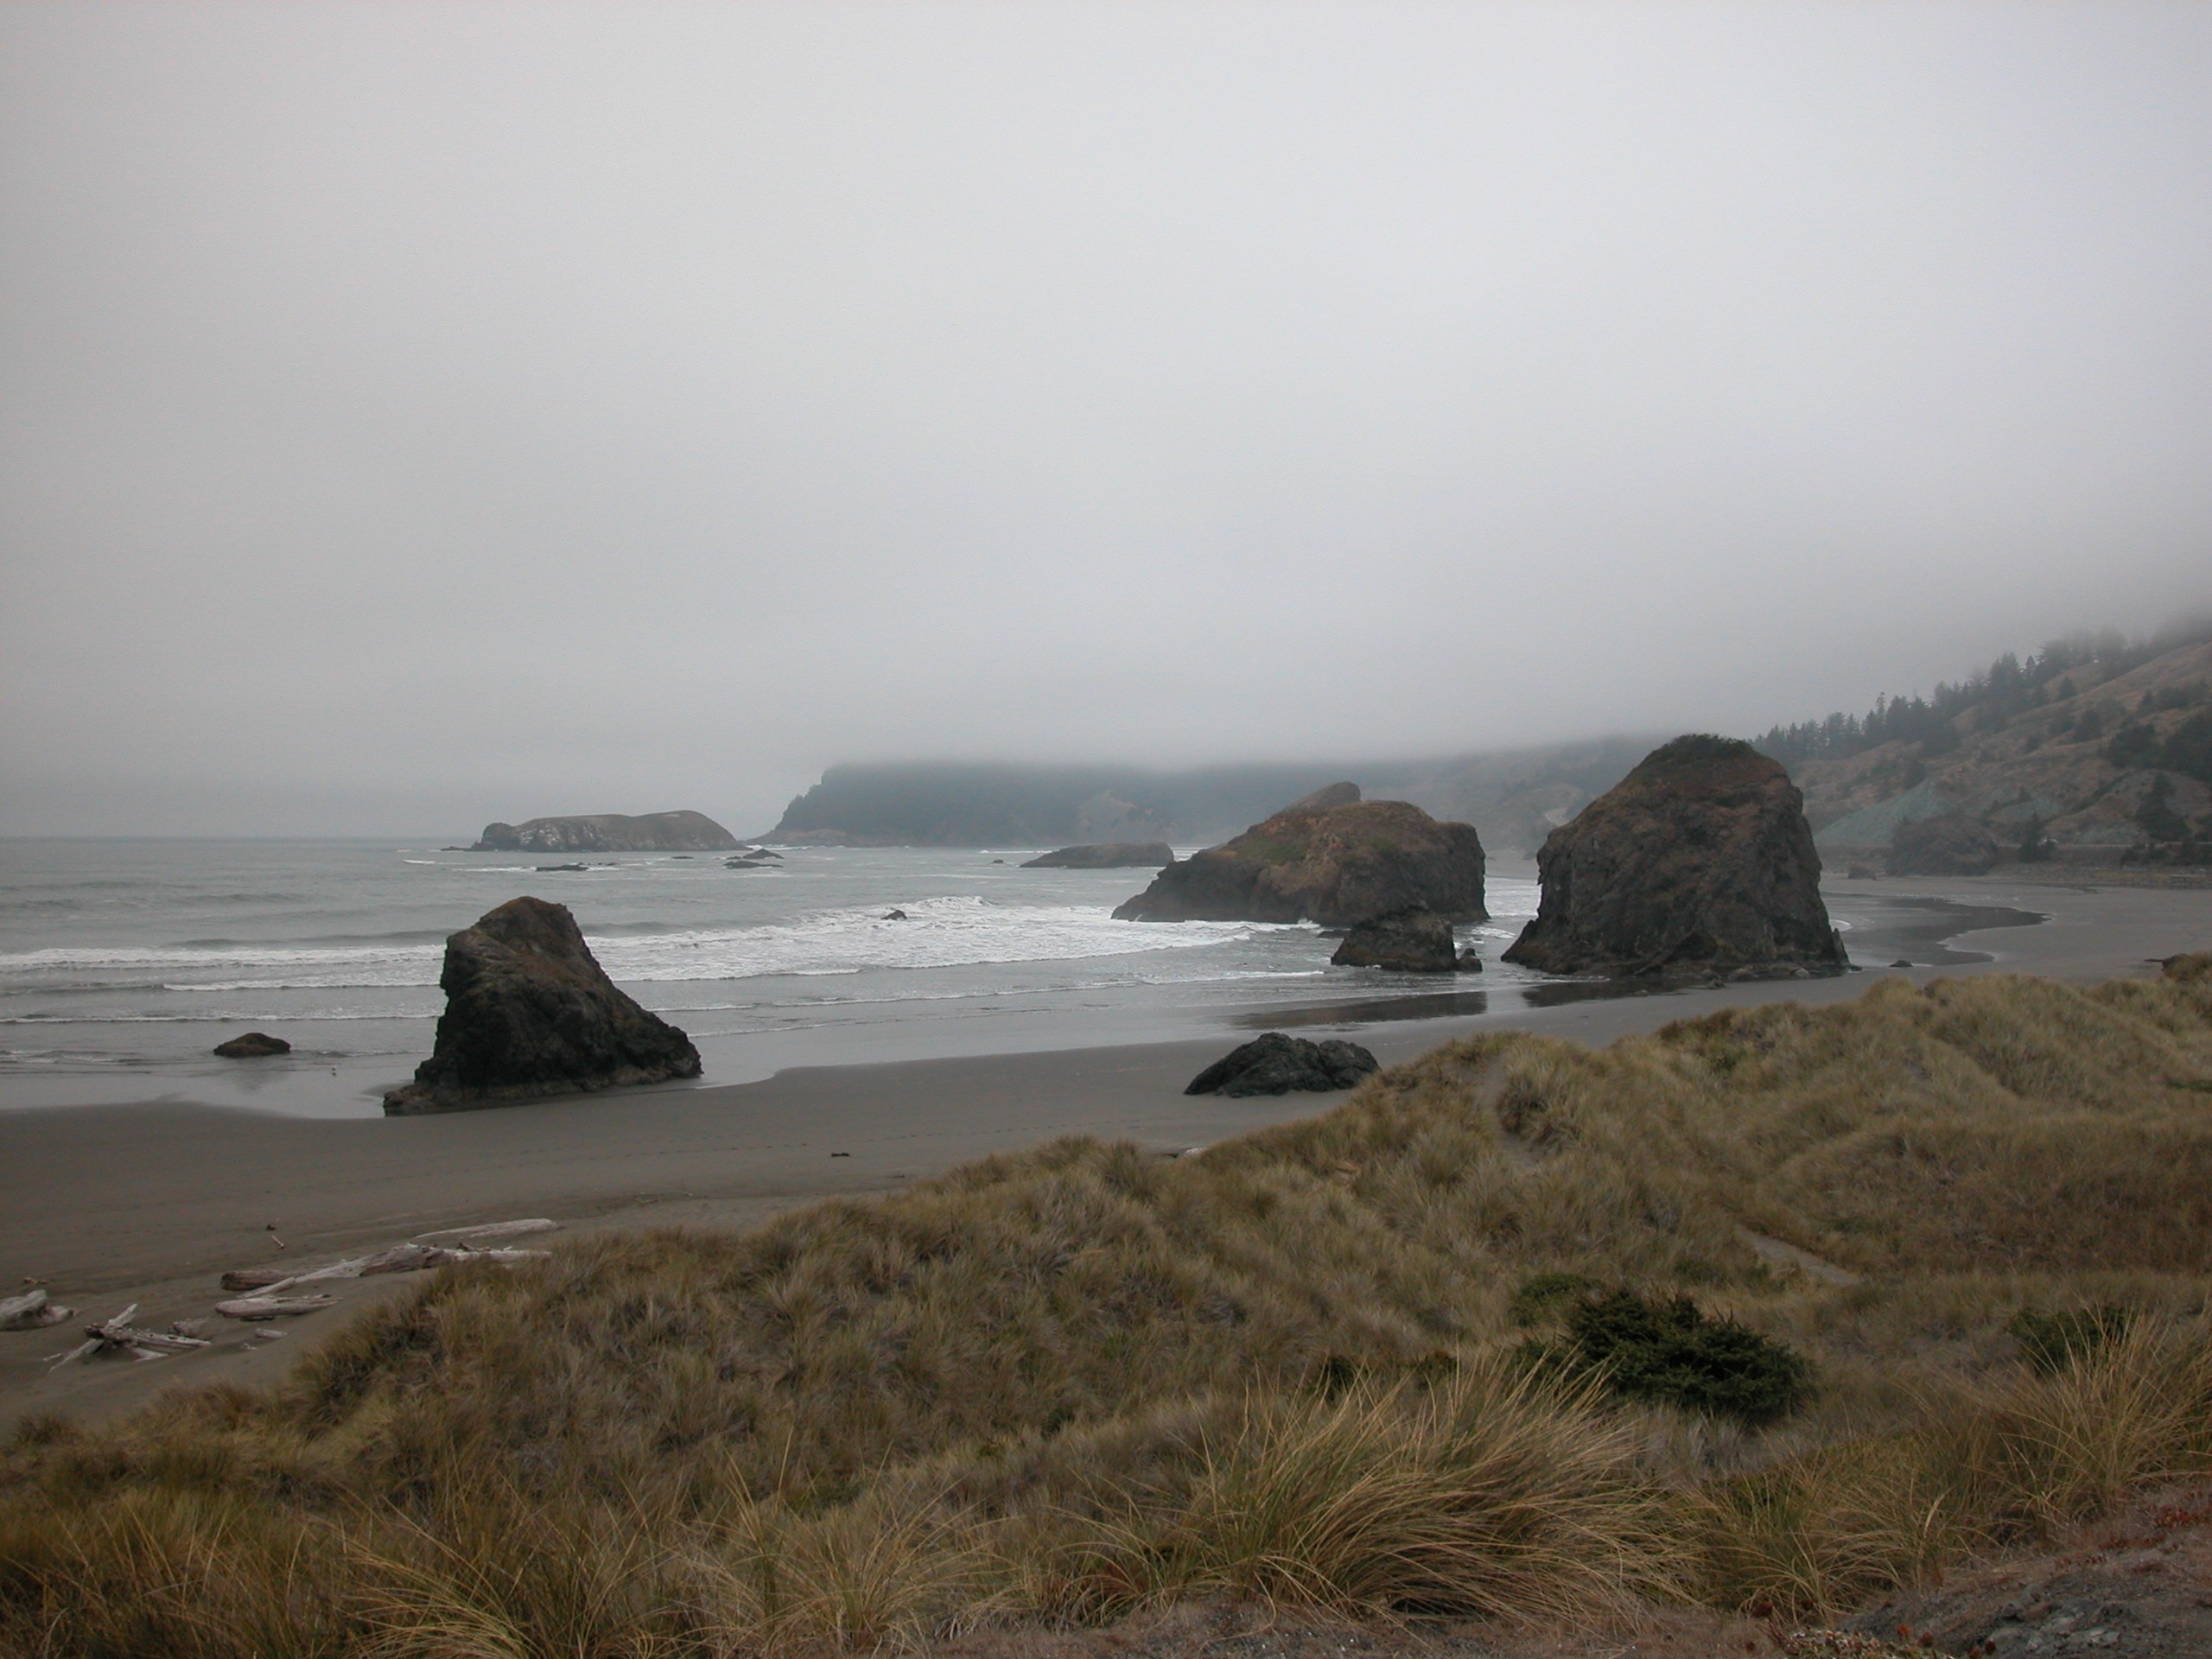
[(416, 416)]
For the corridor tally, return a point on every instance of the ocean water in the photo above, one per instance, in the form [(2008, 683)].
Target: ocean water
[(123, 962)]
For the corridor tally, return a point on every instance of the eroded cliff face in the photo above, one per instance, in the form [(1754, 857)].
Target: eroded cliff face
[(1331, 858), (610, 832), (529, 1013), (1700, 861)]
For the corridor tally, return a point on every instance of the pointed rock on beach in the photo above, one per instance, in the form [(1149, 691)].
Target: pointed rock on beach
[(530, 1012)]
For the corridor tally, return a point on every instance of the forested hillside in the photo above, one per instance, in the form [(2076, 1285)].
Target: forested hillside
[(2095, 747)]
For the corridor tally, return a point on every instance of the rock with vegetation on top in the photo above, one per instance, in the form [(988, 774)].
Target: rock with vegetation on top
[(1277, 1063), (1414, 940), (1331, 858), (1950, 843), (1699, 861), (530, 1012), (1108, 855), (252, 1045), (610, 832), (2186, 968)]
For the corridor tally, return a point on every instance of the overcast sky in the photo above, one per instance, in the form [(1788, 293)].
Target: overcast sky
[(414, 415)]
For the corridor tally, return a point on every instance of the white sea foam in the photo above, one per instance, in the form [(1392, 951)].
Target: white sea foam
[(947, 932)]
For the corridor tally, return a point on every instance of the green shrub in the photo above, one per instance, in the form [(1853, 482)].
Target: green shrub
[(1668, 1351), (2052, 1342), (1540, 1297)]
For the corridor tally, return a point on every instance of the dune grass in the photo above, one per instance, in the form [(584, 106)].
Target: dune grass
[(1076, 1382)]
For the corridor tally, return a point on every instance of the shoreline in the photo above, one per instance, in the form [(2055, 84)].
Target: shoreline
[(924, 1023), (149, 1203)]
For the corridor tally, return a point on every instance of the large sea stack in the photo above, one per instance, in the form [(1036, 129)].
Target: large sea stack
[(1699, 861), (1331, 858), (530, 1012)]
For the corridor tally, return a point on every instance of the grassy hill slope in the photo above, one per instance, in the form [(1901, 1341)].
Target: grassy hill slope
[(1347, 1362)]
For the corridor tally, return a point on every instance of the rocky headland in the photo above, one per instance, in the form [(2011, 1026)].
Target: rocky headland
[(1331, 858), (610, 832), (1513, 797), (530, 1012), (1699, 862), (1108, 855)]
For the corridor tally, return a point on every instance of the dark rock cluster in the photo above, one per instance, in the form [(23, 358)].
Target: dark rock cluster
[(1699, 861), (1414, 940), (1331, 858), (529, 1013), (1278, 1064), (252, 1045)]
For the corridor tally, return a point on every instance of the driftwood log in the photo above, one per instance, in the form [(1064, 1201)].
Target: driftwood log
[(270, 1308), (400, 1258), (118, 1334), (264, 1283), (29, 1311), (493, 1229), (255, 1278)]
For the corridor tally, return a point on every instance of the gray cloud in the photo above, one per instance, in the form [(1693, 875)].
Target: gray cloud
[(411, 416)]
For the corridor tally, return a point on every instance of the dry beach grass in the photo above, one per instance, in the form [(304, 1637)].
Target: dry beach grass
[(1082, 1381)]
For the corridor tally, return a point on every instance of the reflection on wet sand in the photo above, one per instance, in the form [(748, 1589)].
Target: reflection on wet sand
[(1881, 930)]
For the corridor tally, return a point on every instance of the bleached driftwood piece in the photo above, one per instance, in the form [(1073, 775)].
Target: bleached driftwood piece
[(494, 1229), (255, 1278), (119, 1332), (400, 1258), (270, 1308), (29, 1311)]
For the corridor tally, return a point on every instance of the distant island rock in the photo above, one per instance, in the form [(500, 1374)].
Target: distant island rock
[(1331, 858), (1414, 940), (252, 1045), (1108, 855), (1700, 861), (610, 832), (1277, 1063), (531, 1013)]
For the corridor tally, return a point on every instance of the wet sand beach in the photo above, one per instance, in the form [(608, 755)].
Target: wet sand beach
[(149, 1203)]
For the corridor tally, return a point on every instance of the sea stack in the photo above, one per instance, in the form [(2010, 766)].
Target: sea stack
[(1331, 858), (530, 1012), (1414, 940), (1699, 862)]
